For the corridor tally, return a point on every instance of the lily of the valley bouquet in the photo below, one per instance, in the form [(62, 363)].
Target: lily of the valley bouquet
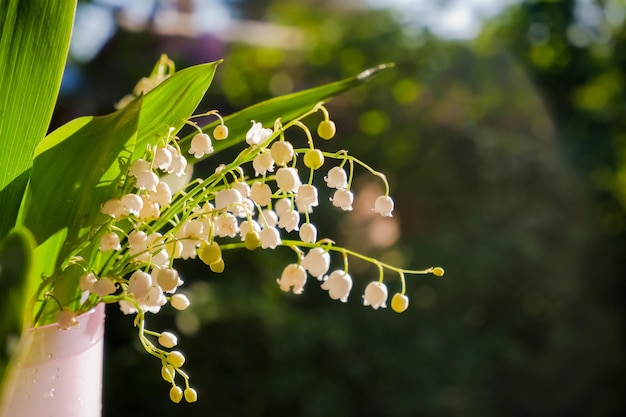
[(111, 206)]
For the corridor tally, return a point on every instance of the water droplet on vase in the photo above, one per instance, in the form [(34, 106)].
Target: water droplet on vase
[(50, 393)]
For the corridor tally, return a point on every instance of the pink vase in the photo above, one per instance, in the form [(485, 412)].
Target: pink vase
[(57, 373)]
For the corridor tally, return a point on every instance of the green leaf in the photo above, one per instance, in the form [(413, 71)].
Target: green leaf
[(34, 39), (15, 261), (286, 107), (75, 170)]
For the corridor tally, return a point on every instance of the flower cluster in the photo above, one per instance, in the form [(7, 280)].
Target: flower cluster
[(264, 198)]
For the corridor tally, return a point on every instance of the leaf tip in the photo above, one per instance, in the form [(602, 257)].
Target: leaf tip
[(374, 70)]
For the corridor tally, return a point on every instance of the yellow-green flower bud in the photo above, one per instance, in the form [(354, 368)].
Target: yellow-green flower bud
[(313, 158), (220, 132), (176, 359), (438, 271), (252, 240), (191, 396), (217, 266), (399, 302), (326, 129), (210, 253), (167, 373), (176, 394)]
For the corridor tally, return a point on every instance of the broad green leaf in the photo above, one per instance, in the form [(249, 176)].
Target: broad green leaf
[(15, 260), (34, 39), (286, 107), (75, 169)]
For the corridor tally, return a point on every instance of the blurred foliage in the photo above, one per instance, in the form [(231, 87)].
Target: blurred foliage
[(507, 157)]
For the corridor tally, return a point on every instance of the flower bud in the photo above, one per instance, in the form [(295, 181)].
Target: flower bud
[(210, 253), (313, 158), (252, 240), (326, 129), (191, 396), (399, 302), (66, 319), (308, 233), (168, 340), (168, 373), (220, 132), (176, 394), (139, 284), (438, 271), (167, 279), (217, 267), (180, 301), (176, 359)]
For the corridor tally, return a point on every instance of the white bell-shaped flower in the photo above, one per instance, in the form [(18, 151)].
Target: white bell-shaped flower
[(147, 180), (103, 287), (113, 208), (317, 262), (201, 145), (343, 199), (153, 301), (86, 281), (138, 166), (243, 188), (161, 259), (289, 220), (306, 198), (188, 248), (149, 209), (226, 225), (383, 206), (308, 233), (110, 241), (293, 278), (178, 165), (193, 229), (336, 178), (282, 206), (338, 284), (167, 279), (270, 237), (282, 152), (139, 284), (137, 241), (162, 195), (287, 179), (228, 199), (269, 218), (132, 204), (261, 193), (162, 158), (375, 295), (257, 134), (263, 163)]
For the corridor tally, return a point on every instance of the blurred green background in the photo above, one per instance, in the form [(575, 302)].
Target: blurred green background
[(502, 130)]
